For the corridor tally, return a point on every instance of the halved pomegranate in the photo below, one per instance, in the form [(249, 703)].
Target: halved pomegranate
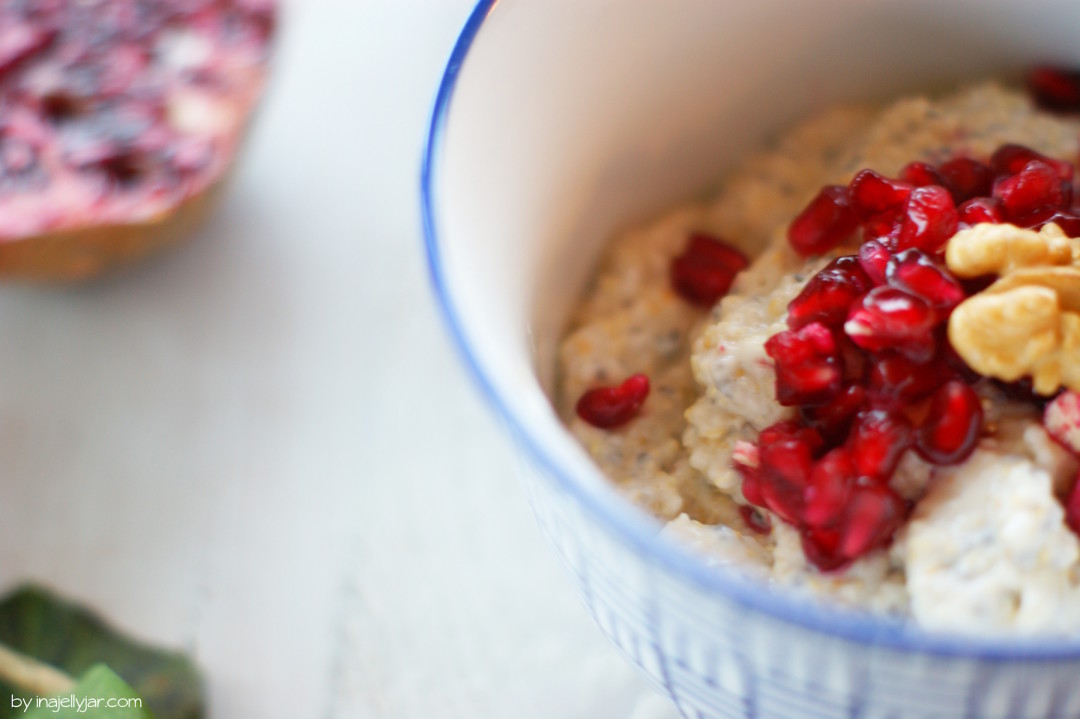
[(120, 121)]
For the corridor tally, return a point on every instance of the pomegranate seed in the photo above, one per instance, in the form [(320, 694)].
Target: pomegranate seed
[(877, 442), (896, 382), (607, 407), (1055, 88), (980, 209), (966, 178), (746, 459), (915, 273), (1061, 418), (874, 513), (807, 365), (828, 295), (1067, 220), (873, 258), (872, 194), (1072, 508), (703, 273), (953, 425), (751, 484), (921, 174), (822, 548), (1034, 188), (827, 490), (785, 467), (787, 429), (833, 419), (826, 222), (755, 520), (889, 318), (930, 219), (855, 361), (786, 451), (1011, 159)]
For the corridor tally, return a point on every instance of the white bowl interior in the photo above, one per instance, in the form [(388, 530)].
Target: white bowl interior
[(573, 119)]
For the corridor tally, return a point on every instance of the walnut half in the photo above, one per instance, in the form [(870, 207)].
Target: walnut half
[(1028, 321)]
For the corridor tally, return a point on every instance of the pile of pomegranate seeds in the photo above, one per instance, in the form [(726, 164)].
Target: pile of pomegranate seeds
[(866, 359), (608, 407), (114, 111)]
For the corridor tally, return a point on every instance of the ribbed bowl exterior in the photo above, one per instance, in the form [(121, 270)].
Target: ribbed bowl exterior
[(716, 658)]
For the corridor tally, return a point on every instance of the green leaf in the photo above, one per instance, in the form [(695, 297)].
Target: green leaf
[(40, 625), (100, 694)]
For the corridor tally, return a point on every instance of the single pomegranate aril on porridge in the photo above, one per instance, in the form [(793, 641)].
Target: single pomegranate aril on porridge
[(1034, 188), (877, 442), (1061, 418), (755, 520), (872, 194), (828, 487), (980, 209), (915, 272), (966, 178), (833, 419), (921, 174), (828, 294), (826, 222), (874, 258), (808, 369), (874, 513), (608, 407), (952, 428), (1055, 88), (703, 273), (888, 318), (930, 219)]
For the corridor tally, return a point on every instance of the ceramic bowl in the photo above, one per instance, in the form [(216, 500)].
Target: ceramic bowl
[(559, 122)]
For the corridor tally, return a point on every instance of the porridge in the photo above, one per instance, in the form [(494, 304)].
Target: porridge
[(855, 385)]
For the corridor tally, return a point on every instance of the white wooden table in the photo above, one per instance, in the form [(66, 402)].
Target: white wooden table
[(261, 449)]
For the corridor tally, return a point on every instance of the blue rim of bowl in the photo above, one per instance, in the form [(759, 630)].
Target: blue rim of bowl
[(785, 606)]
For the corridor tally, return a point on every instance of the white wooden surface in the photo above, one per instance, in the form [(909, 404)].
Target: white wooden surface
[(261, 449)]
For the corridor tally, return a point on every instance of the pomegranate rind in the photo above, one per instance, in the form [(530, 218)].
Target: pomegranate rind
[(83, 253)]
